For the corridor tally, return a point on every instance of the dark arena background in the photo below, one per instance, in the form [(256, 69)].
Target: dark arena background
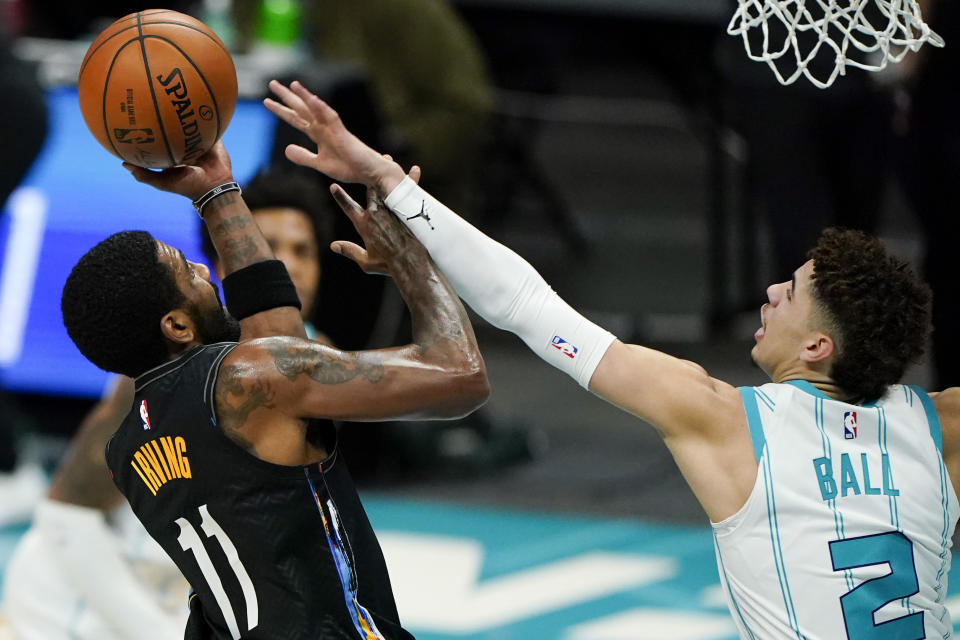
[(657, 179)]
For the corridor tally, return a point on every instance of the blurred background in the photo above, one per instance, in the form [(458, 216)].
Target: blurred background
[(627, 148)]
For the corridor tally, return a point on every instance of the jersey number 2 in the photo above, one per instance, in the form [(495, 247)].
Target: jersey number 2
[(861, 603), (190, 540)]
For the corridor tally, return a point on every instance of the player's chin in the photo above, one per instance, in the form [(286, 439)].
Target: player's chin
[(216, 325), (755, 355)]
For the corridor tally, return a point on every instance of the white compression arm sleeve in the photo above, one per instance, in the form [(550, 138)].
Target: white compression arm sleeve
[(501, 286), (89, 555)]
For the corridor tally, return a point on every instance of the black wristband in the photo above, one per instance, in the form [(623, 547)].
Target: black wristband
[(259, 287), (203, 200)]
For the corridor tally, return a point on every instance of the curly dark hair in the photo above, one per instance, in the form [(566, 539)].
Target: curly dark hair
[(878, 306), (274, 187), (113, 300)]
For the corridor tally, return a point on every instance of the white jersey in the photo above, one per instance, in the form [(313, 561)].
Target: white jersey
[(847, 532), (41, 603)]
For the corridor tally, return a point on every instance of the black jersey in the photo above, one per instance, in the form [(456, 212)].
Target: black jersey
[(271, 551)]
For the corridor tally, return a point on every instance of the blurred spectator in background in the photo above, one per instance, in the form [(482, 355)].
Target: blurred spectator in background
[(930, 165), (295, 215), (23, 129)]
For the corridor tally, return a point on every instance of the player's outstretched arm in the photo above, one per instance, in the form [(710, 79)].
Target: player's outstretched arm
[(234, 233), (701, 418), (496, 282), (441, 374)]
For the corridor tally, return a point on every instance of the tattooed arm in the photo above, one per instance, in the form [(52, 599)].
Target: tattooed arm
[(266, 387), (235, 235)]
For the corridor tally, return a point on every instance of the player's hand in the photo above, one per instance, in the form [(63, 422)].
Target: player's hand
[(210, 170), (384, 236), (340, 154)]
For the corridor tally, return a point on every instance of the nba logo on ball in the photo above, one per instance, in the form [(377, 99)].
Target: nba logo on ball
[(564, 347), (849, 425)]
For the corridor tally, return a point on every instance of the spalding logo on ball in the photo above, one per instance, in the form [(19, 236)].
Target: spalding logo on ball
[(157, 88)]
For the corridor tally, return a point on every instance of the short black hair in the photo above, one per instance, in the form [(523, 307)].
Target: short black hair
[(113, 301), (878, 305), (287, 188)]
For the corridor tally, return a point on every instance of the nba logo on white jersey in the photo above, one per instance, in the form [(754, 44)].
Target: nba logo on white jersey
[(849, 425), (144, 415), (564, 347)]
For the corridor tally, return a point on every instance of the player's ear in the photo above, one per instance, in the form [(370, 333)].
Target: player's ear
[(177, 327), (817, 347)]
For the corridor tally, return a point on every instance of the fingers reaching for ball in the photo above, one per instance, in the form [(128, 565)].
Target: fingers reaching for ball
[(339, 153)]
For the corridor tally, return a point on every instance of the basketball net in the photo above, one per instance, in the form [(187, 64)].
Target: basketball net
[(795, 32)]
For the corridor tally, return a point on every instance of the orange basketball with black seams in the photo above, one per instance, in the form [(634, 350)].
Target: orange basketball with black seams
[(157, 88)]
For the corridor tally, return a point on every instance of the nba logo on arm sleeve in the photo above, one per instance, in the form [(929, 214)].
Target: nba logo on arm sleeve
[(849, 425), (564, 347)]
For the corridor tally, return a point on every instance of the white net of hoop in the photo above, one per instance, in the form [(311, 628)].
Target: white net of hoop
[(798, 37)]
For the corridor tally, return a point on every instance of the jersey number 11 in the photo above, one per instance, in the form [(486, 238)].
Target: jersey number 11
[(190, 540)]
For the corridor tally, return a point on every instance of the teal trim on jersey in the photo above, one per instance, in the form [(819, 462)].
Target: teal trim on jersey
[(887, 471), (749, 397), (726, 582), (806, 387), (778, 562), (936, 433), (944, 544), (803, 385), (933, 420), (767, 400)]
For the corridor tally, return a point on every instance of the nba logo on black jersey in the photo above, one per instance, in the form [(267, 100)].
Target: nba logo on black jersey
[(849, 425), (144, 415), (564, 347)]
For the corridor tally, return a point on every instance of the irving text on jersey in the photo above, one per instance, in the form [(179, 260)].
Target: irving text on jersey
[(161, 460)]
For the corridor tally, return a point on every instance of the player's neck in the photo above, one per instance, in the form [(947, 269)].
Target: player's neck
[(826, 386), (177, 350)]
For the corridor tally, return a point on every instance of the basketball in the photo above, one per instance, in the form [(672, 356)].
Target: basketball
[(157, 88)]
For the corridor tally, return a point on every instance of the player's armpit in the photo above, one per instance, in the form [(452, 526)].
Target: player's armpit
[(701, 420)]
